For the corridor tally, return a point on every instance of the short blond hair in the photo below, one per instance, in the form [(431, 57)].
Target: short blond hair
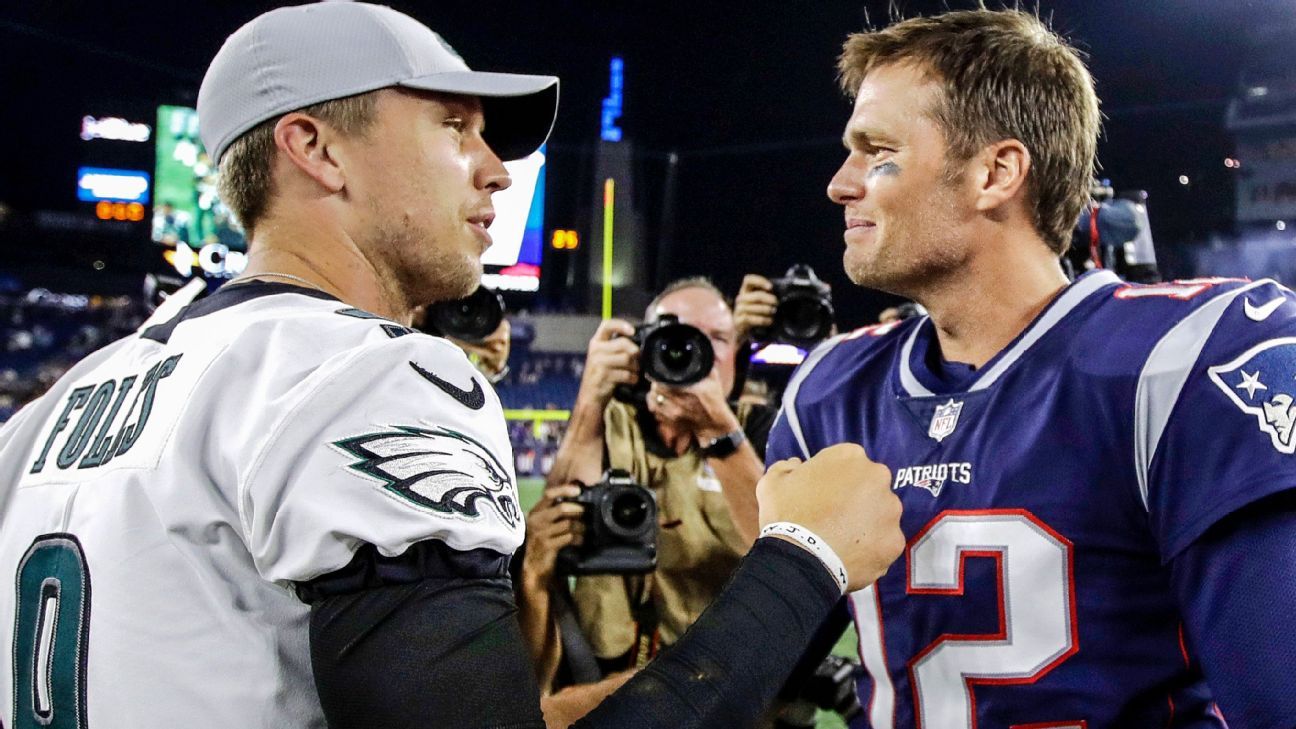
[(245, 183), (1005, 75)]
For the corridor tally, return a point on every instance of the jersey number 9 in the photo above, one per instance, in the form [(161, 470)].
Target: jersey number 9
[(50, 635)]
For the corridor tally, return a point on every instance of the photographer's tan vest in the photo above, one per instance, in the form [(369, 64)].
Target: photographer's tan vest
[(698, 546)]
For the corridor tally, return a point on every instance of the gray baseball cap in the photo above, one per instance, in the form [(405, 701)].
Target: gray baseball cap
[(292, 57)]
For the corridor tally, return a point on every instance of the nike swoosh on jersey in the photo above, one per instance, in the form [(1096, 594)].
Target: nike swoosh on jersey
[(472, 399), (1262, 312)]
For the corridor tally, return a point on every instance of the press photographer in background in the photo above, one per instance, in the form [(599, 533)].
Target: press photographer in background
[(699, 457), (476, 324), (687, 445), (1113, 232), (794, 310)]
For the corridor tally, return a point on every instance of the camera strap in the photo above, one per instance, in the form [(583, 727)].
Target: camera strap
[(647, 639), (1095, 250), (577, 651)]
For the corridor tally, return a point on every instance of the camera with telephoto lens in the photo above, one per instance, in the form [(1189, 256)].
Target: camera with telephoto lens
[(670, 353), (471, 319), (1114, 232), (804, 316), (620, 529)]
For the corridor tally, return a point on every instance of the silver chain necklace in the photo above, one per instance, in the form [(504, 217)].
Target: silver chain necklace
[(290, 277)]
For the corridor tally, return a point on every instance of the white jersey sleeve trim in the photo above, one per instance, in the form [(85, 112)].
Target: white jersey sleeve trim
[(1165, 373), (908, 381), (789, 410)]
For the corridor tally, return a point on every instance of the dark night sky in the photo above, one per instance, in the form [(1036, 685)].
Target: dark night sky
[(744, 92)]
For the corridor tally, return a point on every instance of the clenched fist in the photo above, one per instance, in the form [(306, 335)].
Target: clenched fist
[(846, 499)]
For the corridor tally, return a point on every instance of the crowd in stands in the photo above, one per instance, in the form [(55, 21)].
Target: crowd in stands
[(540, 380), (535, 445), (43, 333)]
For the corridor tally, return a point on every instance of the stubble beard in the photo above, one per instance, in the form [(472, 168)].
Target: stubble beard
[(425, 271), (906, 268), (910, 260)]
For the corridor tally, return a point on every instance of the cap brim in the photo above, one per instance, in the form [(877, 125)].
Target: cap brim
[(519, 109)]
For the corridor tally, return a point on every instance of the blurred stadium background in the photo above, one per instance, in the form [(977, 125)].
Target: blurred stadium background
[(693, 139)]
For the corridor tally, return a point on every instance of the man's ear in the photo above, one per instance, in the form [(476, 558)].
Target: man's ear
[(305, 142), (1003, 167)]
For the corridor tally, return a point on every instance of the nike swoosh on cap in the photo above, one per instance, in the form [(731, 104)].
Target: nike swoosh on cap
[(1262, 312), (472, 399)]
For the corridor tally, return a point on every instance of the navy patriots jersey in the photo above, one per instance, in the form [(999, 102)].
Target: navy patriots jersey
[(1046, 494)]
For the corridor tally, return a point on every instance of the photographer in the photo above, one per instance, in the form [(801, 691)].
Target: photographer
[(477, 325), (553, 523), (794, 309), (754, 309), (699, 457), (491, 354)]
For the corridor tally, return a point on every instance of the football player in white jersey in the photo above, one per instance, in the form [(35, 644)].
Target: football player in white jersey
[(280, 507)]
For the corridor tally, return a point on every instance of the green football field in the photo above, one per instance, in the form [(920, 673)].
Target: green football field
[(529, 490)]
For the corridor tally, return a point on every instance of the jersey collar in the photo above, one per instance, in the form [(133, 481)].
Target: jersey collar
[(917, 381), (226, 296)]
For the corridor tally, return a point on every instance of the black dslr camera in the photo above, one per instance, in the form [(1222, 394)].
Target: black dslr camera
[(620, 529), (470, 319), (804, 316), (670, 353)]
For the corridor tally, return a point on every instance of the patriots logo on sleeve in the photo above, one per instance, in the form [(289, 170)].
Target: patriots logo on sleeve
[(438, 469), (1262, 382)]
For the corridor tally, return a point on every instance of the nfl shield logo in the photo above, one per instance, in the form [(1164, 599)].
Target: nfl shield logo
[(944, 420)]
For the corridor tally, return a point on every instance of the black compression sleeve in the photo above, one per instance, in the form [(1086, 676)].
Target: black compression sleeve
[(448, 653), (728, 667), (825, 638), (440, 652)]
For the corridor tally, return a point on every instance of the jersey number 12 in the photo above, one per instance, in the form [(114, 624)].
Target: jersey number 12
[(1037, 615)]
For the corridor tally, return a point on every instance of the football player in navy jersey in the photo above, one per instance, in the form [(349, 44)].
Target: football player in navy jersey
[(1096, 476)]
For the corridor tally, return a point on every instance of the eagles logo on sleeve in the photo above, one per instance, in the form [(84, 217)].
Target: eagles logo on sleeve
[(1262, 382), (438, 469)]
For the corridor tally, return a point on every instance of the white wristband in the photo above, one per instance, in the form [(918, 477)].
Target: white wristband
[(814, 544)]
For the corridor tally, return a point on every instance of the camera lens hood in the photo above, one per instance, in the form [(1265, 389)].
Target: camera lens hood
[(472, 318), (676, 354)]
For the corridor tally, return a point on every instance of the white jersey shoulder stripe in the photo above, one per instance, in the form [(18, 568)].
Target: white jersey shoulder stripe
[(171, 306), (1166, 371), (1071, 297), (908, 381), (789, 410)]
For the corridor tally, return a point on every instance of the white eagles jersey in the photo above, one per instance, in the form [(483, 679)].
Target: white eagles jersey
[(165, 495)]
